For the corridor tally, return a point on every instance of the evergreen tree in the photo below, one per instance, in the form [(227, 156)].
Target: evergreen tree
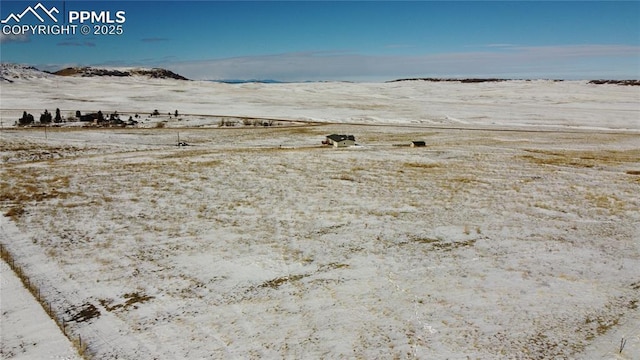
[(58, 118), (45, 118), (26, 119)]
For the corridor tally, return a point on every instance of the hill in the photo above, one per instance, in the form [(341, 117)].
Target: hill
[(11, 72), (87, 71)]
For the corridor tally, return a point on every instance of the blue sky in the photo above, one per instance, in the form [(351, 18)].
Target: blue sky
[(343, 40)]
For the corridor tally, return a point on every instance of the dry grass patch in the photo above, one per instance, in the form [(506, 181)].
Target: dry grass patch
[(130, 299), (199, 164), (464, 180), (425, 240), (609, 202), (557, 161), (449, 246), (15, 212), (460, 183), (420, 165), (25, 151), (303, 129), (440, 244), (346, 177), (76, 204), (82, 313), (27, 186), (29, 146), (277, 282), (333, 266), (183, 153), (582, 158), (400, 138)]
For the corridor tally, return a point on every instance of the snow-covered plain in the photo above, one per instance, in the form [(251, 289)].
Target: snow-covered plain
[(535, 104), (256, 242), (26, 330)]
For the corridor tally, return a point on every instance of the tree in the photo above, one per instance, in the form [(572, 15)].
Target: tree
[(45, 118), (58, 118), (26, 119), (176, 113)]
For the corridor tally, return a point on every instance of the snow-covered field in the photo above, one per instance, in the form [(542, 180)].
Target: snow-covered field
[(534, 104), (26, 330), (256, 242)]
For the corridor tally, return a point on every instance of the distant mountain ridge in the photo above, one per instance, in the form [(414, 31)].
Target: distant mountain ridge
[(88, 71), (11, 72)]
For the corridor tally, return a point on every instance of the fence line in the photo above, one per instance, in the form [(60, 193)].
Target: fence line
[(80, 346)]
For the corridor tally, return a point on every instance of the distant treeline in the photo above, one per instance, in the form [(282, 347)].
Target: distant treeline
[(471, 80), (616, 82), (481, 80)]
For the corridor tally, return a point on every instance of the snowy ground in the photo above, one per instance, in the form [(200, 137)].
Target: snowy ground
[(26, 330), (259, 243), (536, 104)]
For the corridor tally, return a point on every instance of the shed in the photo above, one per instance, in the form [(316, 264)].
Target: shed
[(340, 140), (418, 144)]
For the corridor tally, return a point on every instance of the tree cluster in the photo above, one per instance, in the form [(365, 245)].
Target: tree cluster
[(45, 118), (26, 119)]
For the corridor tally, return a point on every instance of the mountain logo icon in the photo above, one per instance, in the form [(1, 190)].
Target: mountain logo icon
[(35, 11)]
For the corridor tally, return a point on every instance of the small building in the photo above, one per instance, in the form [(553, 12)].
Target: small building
[(93, 117), (418, 144), (340, 140)]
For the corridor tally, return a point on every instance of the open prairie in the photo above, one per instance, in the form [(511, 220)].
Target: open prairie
[(492, 241), (483, 243)]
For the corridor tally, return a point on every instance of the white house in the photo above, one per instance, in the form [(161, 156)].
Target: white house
[(340, 140)]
